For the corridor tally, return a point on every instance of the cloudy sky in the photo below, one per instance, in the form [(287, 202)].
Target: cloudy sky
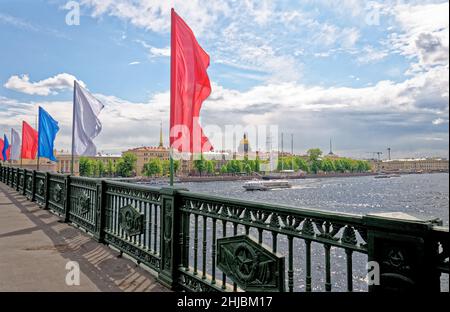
[(369, 75)]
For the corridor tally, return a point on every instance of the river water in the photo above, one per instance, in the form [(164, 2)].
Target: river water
[(417, 194)]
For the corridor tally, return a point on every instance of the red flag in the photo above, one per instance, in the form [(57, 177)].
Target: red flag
[(29, 141), (189, 87), (2, 144)]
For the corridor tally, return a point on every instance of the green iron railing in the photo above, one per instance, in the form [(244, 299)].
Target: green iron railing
[(197, 242)]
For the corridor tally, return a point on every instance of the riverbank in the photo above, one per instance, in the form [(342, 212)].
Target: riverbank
[(274, 176), (220, 178)]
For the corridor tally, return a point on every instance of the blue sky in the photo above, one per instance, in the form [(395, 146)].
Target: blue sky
[(367, 74)]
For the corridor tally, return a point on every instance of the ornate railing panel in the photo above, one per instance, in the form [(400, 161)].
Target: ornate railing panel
[(56, 195), (28, 180), (132, 221), (441, 238), (40, 188), (21, 181), (210, 218), (83, 203)]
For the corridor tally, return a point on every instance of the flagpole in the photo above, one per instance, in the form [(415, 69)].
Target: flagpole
[(10, 161), (172, 89), (37, 165), (73, 127), (21, 147)]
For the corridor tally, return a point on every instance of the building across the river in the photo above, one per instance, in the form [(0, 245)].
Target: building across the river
[(416, 165), (146, 153), (63, 163), (65, 158)]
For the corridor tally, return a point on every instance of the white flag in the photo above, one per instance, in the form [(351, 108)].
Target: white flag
[(86, 125), (15, 145)]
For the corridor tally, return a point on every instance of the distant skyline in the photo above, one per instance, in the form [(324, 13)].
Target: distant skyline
[(367, 74)]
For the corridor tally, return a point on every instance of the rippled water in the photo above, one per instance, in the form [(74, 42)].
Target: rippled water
[(423, 195), (418, 194)]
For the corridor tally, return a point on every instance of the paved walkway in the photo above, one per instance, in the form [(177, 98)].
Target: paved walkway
[(35, 247)]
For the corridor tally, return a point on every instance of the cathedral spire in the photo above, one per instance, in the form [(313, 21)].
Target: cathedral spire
[(161, 136), (331, 149)]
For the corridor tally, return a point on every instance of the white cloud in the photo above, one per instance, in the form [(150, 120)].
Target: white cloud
[(160, 51), (154, 51), (16, 22), (369, 55), (359, 119), (425, 34), (439, 121), (43, 87), (134, 63), (155, 14)]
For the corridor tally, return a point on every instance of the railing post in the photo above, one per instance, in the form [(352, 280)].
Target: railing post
[(33, 185), (14, 177), (170, 237), (401, 247), (101, 210), (9, 176), (47, 190), (67, 199), (24, 186), (19, 172)]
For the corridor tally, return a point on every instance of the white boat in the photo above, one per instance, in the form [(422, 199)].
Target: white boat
[(266, 185)]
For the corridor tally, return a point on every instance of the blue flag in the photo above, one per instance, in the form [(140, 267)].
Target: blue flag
[(48, 127), (5, 147)]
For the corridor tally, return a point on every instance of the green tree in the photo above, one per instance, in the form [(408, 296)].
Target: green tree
[(316, 166), (362, 166), (110, 168), (210, 166), (234, 166), (339, 166), (100, 168), (328, 165), (224, 169), (85, 167), (346, 164), (247, 168), (126, 165), (314, 154), (301, 164), (176, 166), (257, 167), (200, 165), (165, 165), (153, 167)]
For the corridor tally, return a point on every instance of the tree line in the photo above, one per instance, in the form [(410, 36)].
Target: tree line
[(124, 167), (313, 163)]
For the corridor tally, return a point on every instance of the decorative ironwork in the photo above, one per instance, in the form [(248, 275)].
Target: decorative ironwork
[(252, 266), (40, 188), (167, 235), (349, 236), (57, 193), (85, 203), (131, 221)]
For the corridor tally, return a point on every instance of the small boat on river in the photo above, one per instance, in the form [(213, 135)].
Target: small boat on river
[(266, 185)]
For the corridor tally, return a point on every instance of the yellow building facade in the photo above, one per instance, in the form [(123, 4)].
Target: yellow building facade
[(412, 165)]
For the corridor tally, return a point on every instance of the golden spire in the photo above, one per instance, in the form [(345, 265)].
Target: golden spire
[(161, 136)]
